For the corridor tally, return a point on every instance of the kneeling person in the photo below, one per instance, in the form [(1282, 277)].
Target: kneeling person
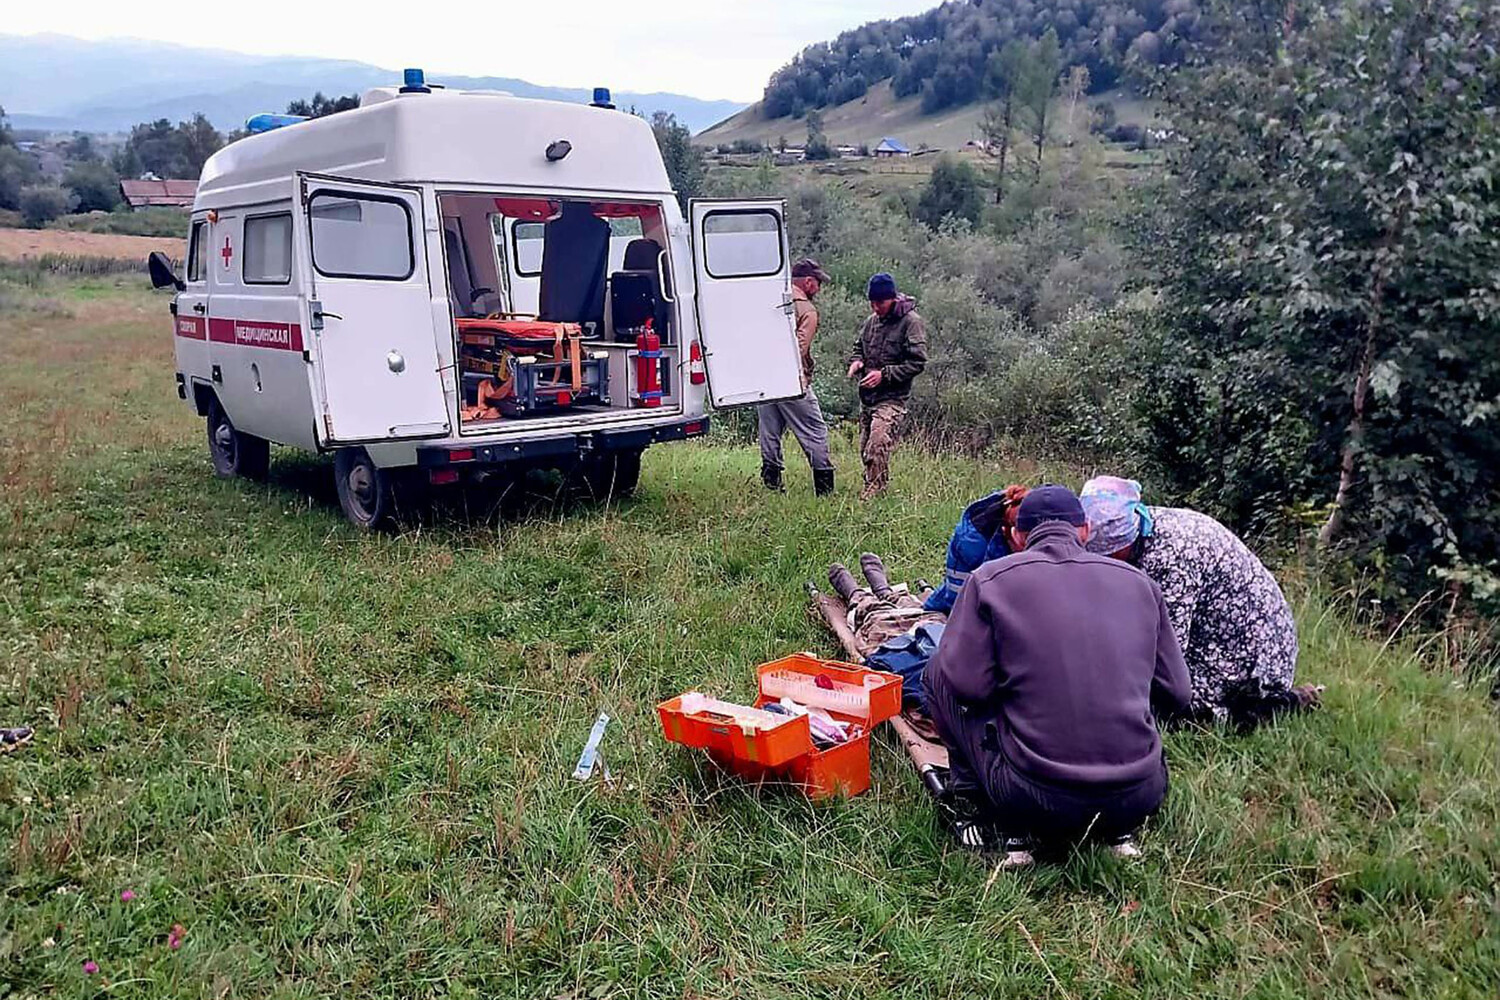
[(1046, 680)]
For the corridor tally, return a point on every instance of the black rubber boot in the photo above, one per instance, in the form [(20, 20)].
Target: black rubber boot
[(771, 476), (822, 482), (874, 571), (842, 581)]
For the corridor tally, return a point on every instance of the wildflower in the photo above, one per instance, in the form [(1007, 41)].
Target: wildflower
[(90, 967), (175, 936), (127, 896)]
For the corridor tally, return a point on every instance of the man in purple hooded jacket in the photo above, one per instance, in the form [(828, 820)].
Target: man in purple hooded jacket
[(1047, 683)]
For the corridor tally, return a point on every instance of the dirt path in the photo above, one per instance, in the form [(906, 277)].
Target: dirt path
[(17, 243)]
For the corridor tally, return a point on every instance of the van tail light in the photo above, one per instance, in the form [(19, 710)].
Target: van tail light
[(696, 373)]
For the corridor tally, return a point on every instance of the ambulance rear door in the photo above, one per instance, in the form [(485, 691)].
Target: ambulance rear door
[(370, 308), (744, 301)]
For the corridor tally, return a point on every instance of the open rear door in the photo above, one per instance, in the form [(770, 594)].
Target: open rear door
[(371, 311), (745, 302)]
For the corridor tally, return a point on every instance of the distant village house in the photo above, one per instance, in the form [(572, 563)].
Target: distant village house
[(158, 193), (891, 148)]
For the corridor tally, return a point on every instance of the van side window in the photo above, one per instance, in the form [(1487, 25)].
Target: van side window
[(527, 239), (195, 252), (361, 236), (268, 249), (742, 244)]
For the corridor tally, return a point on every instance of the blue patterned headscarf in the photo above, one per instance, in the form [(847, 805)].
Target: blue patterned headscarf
[(1117, 517)]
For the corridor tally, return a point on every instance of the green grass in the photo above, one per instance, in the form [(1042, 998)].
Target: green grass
[(125, 222), (341, 762)]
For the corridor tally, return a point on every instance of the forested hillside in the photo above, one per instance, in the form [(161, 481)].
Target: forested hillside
[(947, 55)]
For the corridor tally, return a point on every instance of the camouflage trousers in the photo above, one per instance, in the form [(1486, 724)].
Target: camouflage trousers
[(878, 428), (875, 621)]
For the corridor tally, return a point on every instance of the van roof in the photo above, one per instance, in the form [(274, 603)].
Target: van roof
[(445, 137)]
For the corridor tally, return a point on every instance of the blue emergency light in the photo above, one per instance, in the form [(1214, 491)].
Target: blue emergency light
[(268, 122), (414, 81), (602, 99)]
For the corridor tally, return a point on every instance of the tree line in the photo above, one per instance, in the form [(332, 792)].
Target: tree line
[(947, 54), (91, 181)]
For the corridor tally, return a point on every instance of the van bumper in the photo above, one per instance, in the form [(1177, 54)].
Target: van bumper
[(559, 450)]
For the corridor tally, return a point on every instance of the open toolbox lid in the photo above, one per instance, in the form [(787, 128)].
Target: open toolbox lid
[(866, 697)]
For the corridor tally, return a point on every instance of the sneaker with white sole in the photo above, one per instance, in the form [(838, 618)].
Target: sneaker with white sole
[(1125, 848), (14, 739), (1018, 854)]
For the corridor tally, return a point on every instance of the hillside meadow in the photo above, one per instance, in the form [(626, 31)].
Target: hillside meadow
[(338, 764)]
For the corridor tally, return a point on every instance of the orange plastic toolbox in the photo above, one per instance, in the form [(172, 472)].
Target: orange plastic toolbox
[(785, 751)]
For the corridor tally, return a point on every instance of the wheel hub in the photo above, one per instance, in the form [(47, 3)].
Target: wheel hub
[(362, 486), (224, 440)]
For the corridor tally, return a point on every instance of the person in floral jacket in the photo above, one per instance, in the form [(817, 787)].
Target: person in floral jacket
[(1232, 620)]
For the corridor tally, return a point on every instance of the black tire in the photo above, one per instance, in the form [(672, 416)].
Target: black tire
[(234, 452), (614, 475), (366, 493)]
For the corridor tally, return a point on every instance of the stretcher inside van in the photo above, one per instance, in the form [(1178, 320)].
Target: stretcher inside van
[(441, 283)]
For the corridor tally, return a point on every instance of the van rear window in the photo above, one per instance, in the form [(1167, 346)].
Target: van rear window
[(742, 243), (361, 236)]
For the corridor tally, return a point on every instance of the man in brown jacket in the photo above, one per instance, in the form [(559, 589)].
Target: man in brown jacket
[(802, 415), (890, 353)]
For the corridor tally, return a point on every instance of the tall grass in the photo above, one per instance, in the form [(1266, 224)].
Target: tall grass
[(340, 762)]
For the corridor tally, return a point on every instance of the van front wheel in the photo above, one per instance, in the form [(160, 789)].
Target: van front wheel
[(366, 493), (235, 453)]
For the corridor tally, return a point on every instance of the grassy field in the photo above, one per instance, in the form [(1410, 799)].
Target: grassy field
[(340, 763)]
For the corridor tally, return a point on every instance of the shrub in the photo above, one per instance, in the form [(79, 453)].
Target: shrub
[(95, 186), (41, 203)]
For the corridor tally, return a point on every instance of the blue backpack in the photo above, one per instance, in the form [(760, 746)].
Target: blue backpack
[(975, 541)]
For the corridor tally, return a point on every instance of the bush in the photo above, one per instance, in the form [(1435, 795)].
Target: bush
[(1102, 116), (157, 221), (951, 192), (95, 186), (42, 203), (1129, 134)]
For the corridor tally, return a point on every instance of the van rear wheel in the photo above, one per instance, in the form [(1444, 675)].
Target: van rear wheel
[(234, 452), (366, 493), (614, 475)]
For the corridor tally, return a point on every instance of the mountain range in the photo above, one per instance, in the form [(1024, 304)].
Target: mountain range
[(58, 82)]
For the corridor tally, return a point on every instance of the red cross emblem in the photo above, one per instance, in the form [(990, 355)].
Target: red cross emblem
[(227, 252)]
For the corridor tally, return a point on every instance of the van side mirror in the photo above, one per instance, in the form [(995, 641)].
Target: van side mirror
[(162, 275)]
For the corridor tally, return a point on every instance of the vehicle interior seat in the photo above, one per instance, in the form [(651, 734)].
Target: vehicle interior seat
[(575, 257), (641, 262)]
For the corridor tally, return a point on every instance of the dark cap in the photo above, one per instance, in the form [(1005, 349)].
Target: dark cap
[(882, 287), (1050, 503), (809, 268)]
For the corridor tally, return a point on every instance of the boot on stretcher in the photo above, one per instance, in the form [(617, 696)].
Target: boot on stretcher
[(874, 570)]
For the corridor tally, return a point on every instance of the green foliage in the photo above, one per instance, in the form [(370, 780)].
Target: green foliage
[(340, 761), (17, 170), (818, 147), (320, 105), (952, 193), (683, 160), (1330, 260), (95, 186), (946, 54), (41, 203), (154, 221), (168, 151)]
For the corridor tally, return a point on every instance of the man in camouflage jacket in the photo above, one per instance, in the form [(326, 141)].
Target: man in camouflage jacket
[(890, 353)]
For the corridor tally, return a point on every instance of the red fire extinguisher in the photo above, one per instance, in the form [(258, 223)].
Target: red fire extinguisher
[(648, 367)]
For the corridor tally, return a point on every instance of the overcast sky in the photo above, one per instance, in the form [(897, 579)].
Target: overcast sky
[(705, 48)]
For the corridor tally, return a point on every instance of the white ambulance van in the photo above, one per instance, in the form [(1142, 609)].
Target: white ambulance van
[(441, 283)]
